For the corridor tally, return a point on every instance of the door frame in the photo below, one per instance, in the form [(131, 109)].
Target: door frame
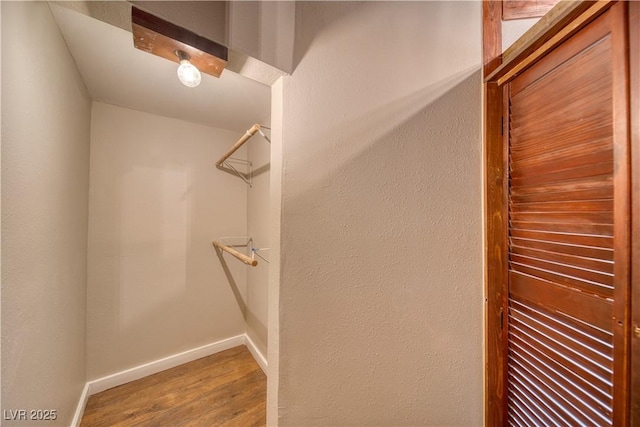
[(560, 23)]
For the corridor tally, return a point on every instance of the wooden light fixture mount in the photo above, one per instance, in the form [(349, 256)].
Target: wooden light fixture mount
[(159, 37)]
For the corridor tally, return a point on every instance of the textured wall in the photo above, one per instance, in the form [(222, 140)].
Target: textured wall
[(381, 284), (45, 179), (258, 223), (156, 286)]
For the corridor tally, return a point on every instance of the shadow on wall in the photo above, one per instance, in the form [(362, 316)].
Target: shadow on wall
[(155, 286), (306, 34), (331, 18), (232, 283), (393, 288), (162, 291), (357, 135)]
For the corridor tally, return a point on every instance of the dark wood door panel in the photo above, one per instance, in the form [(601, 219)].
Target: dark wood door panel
[(565, 286), (562, 134)]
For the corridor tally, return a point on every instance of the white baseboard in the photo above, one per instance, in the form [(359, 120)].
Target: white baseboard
[(110, 381), (257, 355), (82, 403)]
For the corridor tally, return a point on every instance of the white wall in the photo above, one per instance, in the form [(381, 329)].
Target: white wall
[(380, 297), (514, 29), (45, 179), (264, 30), (258, 223), (156, 286), (275, 216)]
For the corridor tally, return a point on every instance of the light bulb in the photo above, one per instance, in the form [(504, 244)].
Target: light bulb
[(188, 74)]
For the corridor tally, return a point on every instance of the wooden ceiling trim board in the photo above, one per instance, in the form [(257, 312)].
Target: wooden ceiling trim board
[(159, 37), (555, 27), (561, 13), (521, 9)]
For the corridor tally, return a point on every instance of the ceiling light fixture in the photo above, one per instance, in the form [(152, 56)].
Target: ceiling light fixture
[(188, 74), (194, 53)]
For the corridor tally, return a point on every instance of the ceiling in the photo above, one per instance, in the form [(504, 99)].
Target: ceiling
[(117, 73)]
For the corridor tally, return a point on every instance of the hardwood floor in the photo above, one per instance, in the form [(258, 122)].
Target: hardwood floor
[(224, 389)]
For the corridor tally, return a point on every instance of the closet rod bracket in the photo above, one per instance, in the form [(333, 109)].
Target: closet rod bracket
[(239, 255), (225, 162)]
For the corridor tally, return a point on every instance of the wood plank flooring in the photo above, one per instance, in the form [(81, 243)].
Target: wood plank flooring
[(224, 389)]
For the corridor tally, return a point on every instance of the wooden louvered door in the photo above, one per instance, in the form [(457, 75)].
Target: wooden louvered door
[(568, 233)]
